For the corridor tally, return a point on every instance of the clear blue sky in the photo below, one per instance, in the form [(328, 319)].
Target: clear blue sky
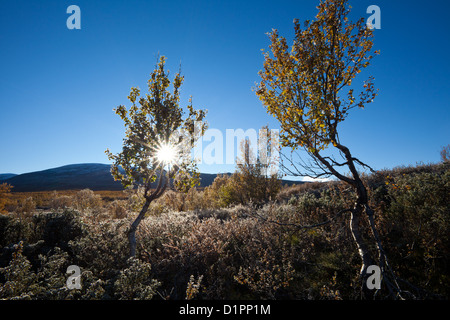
[(58, 86)]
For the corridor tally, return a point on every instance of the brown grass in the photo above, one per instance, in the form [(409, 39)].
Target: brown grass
[(44, 198)]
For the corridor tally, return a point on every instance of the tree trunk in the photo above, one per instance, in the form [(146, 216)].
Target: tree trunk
[(134, 226), (363, 250), (360, 209), (366, 258), (160, 188)]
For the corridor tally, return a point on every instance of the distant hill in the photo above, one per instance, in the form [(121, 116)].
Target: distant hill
[(94, 176), (4, 176)]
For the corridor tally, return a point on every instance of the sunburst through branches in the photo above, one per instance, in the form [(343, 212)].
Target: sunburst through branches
[(166, 154)]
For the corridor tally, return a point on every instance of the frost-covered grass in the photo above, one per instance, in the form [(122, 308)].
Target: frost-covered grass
[(189, 249)]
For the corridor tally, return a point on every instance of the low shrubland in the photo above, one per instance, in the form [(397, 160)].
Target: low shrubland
[(197, 246)]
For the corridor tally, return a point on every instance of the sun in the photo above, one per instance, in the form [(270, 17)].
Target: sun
[(166, 153)]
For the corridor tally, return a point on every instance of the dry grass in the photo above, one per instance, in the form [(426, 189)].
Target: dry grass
[(43, 199)]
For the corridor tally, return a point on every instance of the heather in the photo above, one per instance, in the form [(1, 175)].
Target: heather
[(289, 243)]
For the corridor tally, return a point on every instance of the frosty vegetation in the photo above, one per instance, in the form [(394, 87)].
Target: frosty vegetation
[(214, 244)]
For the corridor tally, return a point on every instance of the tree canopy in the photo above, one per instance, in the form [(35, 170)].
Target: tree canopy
[(155, 127), (158, 142), (308, 87)]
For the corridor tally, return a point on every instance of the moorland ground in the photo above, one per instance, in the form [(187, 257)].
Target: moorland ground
[(218, 244)]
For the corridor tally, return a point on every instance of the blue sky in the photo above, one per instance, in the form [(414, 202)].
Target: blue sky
[(58, 86)]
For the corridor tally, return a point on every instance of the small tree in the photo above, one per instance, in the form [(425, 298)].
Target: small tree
[(254, 177), (309, 90), (445, 153), (158, 142)]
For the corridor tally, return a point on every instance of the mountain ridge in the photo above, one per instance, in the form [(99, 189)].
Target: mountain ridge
[(4, 176), (94, 176)]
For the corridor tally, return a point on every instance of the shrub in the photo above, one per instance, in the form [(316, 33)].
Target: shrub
[(13, 230), (57, 229), (134, 282), (214, 194), (417, 227), (45, 281), (26, 207), (20, 282), (193, 199), (5, 190), (288, 192), (268, 274), (87, 200), (102, 248), (241, 187), (61, 202), (117, 209)]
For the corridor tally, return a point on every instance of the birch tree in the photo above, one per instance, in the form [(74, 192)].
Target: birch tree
[(310, 88), (158, 141)]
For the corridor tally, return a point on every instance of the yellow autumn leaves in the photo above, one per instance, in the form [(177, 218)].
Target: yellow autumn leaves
[(301, 86)]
